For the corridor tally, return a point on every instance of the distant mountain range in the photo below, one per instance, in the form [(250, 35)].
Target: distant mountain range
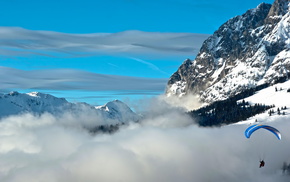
[(247, 51), (14, 103)]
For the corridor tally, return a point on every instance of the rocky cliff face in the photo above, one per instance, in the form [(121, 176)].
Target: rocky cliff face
[(246, 51)]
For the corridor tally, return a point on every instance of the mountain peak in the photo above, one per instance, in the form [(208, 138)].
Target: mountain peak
[(34, 94), (13, 93), (119, 110), (278, 9), (246, 51), (116, 104)]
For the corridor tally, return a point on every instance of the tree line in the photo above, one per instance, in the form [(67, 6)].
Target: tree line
[(226, 112)]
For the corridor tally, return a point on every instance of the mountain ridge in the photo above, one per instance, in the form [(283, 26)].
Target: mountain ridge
[(37, 103), (246, 51)]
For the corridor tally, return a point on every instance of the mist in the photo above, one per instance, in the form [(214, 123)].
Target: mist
[(165, 146)]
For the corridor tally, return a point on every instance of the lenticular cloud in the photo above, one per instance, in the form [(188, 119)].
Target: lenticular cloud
[(22, 42)]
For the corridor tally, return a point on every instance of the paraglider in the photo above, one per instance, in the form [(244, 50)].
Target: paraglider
[(255, 127), (262, 163), (250, 130)]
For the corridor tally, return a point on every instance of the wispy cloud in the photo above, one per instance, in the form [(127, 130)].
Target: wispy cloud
[(152, 66), (15, 41)]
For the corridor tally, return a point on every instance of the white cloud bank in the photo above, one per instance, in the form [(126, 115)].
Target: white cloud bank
[(51, 149), (15, 41)]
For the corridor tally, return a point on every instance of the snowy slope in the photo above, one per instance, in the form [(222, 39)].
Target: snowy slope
[(15, 103), (37, 103), (270, 96)]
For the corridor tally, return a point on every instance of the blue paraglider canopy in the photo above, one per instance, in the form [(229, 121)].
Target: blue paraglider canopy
[(255, 127)]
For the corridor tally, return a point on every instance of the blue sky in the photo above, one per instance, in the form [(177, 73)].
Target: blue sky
[(100, 50)]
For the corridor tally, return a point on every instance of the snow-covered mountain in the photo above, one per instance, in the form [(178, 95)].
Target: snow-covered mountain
[(118, 110), (37, 103), (246, 51)]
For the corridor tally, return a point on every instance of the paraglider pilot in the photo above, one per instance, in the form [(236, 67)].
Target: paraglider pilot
[(262, 163), (253, 128)]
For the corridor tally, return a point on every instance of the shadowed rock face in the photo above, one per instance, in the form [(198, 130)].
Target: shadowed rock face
[(279, 8), (246, 51)]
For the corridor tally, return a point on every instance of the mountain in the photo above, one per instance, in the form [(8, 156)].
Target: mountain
[(245, 52), (37, 103), (118, 110)]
